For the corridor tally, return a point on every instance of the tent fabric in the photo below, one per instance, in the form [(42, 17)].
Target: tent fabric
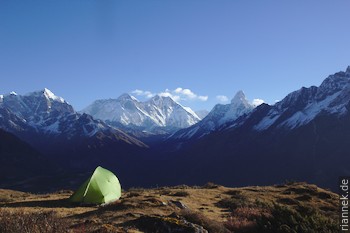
[(101, 188)]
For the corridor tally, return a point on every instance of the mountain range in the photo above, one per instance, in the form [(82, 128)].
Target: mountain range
[(160, 114), (302, 137), (216, 118), (51, 126)]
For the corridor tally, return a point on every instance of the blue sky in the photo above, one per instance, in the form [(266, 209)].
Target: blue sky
[(86, 50)]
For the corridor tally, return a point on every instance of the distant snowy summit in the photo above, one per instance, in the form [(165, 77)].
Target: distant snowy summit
[(297, 109), (158, 112), (45, 113), (36, 107), (304, 105), (42, 113), (220, 115)]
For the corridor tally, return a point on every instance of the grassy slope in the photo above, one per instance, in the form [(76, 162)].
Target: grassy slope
[(216, 208)]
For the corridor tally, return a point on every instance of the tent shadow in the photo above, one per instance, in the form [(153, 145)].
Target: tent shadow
[(87, 214), (42, 203), (115, 206)]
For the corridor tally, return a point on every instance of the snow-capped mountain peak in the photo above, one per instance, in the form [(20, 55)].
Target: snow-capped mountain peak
[(42, 118), (334, 83), (162, 100), (189, 110), (302, 106), (217, 117), (159, 111), (239, 106), (240, 99), (126, 97), (348, 70), (47, 94)]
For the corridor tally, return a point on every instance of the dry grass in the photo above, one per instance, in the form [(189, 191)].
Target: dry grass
[(243, 219), (10, 195), (180, 194), (200, 219), (40, 222), (216, 208)]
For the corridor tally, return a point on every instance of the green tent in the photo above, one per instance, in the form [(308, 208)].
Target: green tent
[(102, 187)]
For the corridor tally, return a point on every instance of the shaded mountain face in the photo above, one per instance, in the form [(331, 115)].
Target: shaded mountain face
[(303, 137), (20, 161), (158, 115), (53, 127), (216, 118)]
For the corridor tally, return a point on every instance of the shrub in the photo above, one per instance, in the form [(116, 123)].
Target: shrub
[(243, 219), (210, 185), (240, 225), (232, 203), (13, 222), (200, 219), (323, 195), (180, 194), (284, 219), (164, 192), (182, 186), (304, 197), (5, 199), (288, 201), (234, 192), (134, 194)]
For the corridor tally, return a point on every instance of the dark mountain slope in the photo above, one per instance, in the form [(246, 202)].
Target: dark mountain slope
[(53, 127), (304, 137), (19, 161)]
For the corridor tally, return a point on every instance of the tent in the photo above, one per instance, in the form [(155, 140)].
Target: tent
[(101, 188)]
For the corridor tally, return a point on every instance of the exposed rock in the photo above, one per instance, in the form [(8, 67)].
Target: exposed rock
[(167, 225), (179, 204)]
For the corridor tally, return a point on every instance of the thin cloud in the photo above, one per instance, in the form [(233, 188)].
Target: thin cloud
[(222, 98), (167, 93), (139, 92), (203, 98), (177, 94), (187, 94), (257, 102)]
